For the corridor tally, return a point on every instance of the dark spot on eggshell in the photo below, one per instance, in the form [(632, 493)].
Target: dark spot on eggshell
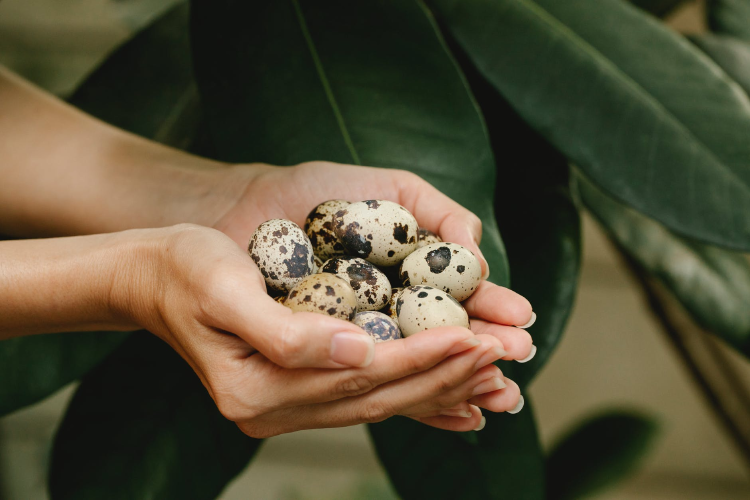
[(332, 311), (373, 204), (282, 249), (460, 269), (298, 265), (422, 295), (438, 259), (401, 233), (404, 278), (399, 305), (307, 298), (438, 297), (330, 291), (354, 242), (391, 253), (317, 285)]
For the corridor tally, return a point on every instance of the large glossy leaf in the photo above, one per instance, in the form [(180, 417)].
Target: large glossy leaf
[(636, 106), (730, 17), (142, 425), (658, 7), (146, 87), (367, 82), (541, 225), (730, 53), (598, 453), (713, 284)]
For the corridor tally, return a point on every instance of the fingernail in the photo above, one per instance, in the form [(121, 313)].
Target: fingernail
[(518, 407), (352, 349), (456, 413), (464, 345), (481, 425), (531, 321), (530, 356), (490, 357), (493, 384)]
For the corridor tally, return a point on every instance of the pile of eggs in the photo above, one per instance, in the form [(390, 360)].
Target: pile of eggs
[(367, 262)]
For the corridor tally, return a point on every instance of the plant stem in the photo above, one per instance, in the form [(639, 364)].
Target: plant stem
[(708, 365)]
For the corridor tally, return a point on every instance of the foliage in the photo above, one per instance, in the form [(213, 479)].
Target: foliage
[(490, 100)]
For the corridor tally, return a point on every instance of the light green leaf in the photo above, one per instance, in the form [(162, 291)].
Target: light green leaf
[(713, 284), (730, 53), (647, 116), (142, 425), (730, 17), (598, 453)]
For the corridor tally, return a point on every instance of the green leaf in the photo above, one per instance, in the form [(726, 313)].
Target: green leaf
[(624, 98), (730, 53), (713, 284), (543, 240), (146, 87), (288, 82), (142, 425), (658, 7), (368, 82), (598, 453), (730, 17)]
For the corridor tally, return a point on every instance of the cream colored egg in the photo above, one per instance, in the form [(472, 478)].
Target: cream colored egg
[(324, 294), (425, 237), (319, 228), (422, 307), (448, 266), (379, 231), (283, 253), (377, 325), (369, 283)]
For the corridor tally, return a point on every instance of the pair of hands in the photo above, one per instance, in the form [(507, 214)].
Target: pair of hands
[(273, 371)]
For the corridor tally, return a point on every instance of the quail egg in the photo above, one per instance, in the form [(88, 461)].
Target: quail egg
[(390, 307), (319, 228), (448, 266), (325, 294), (377, 325), (421, 307), (280, 299), (425, 237), (380, 231), (369, 283), (318, 264), (283, 253)]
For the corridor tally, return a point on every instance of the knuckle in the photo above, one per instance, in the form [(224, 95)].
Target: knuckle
[(288, 347), (375, 412), (354, 386), (412, 361)]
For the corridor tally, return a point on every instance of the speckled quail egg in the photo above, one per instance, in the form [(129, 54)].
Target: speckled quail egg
[(317, 264), (380, 231), (425, 237), (448, 266), (319, 228), (377, 325), (283, 253), (325, 294), (422, 307), (390, 308), (369, 283)]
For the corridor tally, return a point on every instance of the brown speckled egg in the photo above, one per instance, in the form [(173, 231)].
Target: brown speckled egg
[(390, 307), (369, 283), (280, 299), (317, 264), (448, 266), (283, 253), (426, 237), (324, 294), (319, 228), (379, 231), (422, 307), (377, 325)]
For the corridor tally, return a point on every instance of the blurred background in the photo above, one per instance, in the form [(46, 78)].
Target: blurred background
[(614, 354)]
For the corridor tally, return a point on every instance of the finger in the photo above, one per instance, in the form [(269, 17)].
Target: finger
[(442, 215), (457, 424), (289, 339), (459, 410), (487, 379), (508, 399), (517, 343), (394, 360), (383, 402), (498, 304)]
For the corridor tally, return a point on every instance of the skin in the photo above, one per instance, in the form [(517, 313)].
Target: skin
[(139, 235)]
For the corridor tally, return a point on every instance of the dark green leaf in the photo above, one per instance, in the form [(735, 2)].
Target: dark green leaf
[(536, 214), (146, 87), (730, 17), (658, 7), (598, 453), (391, 97), (142, 425), (730, 53), (624, 98), (713, 284)]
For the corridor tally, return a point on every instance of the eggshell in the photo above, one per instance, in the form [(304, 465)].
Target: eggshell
[(371, 286), (283, 253), (324, 294), (390, 308), (377, 325), (319, 228), (422, 307), (425, 237), (380, 231), (448, 266)]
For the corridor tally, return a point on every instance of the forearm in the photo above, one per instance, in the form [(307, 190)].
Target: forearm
[(64, 172), (64, 284)]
